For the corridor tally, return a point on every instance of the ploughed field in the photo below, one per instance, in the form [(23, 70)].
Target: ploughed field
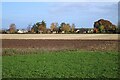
[(61, 41), (61, 44)]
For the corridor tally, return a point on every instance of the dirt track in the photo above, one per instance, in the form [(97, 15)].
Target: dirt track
[(61, 44)]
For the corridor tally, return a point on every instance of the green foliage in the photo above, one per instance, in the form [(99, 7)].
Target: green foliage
[(61, 64)]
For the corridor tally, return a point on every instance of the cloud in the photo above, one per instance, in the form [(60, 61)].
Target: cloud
[(80, 13), (83, 7)]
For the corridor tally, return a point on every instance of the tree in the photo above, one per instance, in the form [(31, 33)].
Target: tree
[(65, 27), (62, 25), (29, 27), (32, 30), (95, 30), (43, 23), (104, 26), (39, 27), (73, 28), (54, 26), (35, 28), (12, 28), (42, 27), (101, 29)]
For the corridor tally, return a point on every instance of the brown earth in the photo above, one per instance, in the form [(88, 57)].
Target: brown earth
[(54, 44)]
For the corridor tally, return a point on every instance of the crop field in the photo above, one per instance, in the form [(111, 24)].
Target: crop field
[(61, 36), (60, 56), (59, 64)]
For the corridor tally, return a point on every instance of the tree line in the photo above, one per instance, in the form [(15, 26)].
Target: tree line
[(100, 26)]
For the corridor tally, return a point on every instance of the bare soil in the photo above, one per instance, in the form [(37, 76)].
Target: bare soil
[(55, 44)]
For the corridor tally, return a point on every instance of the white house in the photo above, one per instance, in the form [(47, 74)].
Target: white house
[(77, 30), (63, 32), (22, 31)]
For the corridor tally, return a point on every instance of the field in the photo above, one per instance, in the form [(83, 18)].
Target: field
[(60, 55), (61, 44), (61, 36), (60, 64)]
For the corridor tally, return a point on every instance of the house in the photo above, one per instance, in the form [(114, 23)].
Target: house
[(77, 31), (19, 31), (40, 31), (7, 31), (63, 32), (55, 31), (48, 31), (22, 31)]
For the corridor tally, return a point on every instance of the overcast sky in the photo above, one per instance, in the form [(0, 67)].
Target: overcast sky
[(82, 14)]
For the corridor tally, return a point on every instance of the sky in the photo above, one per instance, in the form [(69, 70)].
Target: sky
[(82, 14), (60, 0)]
